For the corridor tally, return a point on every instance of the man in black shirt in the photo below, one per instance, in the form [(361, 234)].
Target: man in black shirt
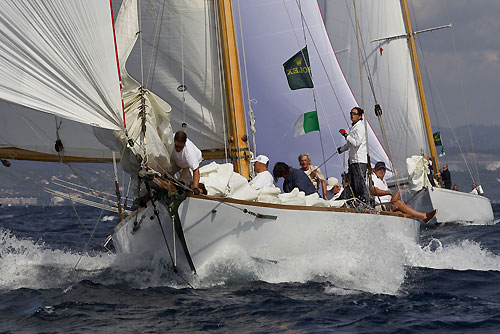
[(445, 177)]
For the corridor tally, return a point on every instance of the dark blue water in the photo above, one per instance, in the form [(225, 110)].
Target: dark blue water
[(54, 278)]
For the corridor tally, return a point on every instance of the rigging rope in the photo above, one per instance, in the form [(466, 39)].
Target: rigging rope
[(467, 113), (90, 239), (324, 69)]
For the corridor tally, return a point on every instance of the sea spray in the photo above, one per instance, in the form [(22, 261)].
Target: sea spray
[(459, 255), (28, 264)]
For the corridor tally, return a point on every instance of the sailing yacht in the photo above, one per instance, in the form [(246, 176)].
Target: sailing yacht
[(376, 49), (120, 88)]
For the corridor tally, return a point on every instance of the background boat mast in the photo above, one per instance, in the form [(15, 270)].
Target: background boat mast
[(240, 153), (421, 93)]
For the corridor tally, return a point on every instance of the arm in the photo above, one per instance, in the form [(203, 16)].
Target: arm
[(379, 192), (354, 139), (196, 178), (323, 187), (342, 149)]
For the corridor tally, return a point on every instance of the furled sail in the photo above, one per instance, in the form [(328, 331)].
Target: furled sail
[(273, 32), (389, 64), (141, 105), (59, 79), (178, 60)]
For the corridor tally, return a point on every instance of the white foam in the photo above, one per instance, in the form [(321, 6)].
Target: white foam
[(462, 255), (29, 264), (350, 260)]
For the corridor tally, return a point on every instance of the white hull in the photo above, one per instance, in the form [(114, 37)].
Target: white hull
[(454, 205), (211, 226)]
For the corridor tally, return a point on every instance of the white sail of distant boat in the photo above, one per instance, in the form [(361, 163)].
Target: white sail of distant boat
[(384, 57), (175, 77)]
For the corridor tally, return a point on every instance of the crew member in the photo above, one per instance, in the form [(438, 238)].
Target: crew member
[(185, 159), (263, 177), (358, 162), (294, 178)]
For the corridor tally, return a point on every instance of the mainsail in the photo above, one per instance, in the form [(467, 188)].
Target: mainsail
[(273, 31), (388, 63)]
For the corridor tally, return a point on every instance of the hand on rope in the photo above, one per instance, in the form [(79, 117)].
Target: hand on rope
[(343, 133)]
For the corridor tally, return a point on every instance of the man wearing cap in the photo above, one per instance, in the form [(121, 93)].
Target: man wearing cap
[(386, 200), (313, 172), (263, 177), (334, 189), (358, 162), (186, 158)]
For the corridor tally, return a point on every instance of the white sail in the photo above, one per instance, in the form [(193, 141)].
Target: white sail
[(179, 51), (59, 80), (390, 66), (59, 57), (273, 32)]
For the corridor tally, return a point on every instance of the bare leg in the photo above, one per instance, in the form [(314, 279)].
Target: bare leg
[(400, 206)]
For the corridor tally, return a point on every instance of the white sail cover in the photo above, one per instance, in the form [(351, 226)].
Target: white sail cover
[(59, 57), (273, 32), (179, 52), (390, 66)]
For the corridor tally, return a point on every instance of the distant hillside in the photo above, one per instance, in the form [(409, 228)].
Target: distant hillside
[(484, 139)]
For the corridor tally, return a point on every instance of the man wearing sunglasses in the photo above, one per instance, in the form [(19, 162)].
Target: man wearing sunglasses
[(358, 162)]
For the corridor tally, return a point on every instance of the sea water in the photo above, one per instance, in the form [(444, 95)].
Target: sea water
[(56, 277)]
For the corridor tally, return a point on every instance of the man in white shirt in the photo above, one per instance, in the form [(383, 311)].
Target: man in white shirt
[(185, 159), (263, 177), (333, 188), (358, 162), (385, 200), (474, 189)]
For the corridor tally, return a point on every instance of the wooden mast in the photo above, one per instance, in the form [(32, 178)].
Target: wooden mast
[(421, 92), (240, 153)]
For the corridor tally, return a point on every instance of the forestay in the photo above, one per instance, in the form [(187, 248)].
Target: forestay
[(273, 32), (389, 65)]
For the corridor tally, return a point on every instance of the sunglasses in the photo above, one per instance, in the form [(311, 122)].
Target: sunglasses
[(354, 113)]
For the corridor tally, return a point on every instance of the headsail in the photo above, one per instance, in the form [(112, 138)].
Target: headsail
[(59, 57), (389, 64), (59, 80)]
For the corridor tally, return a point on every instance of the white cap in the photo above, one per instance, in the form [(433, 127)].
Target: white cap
[(331, 182), (261, 158)]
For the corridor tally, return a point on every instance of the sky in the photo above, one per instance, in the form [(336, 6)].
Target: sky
[(468, 79)]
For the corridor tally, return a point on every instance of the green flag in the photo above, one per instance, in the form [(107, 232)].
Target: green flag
[(298, 70), (307, 122), (437, 138)]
